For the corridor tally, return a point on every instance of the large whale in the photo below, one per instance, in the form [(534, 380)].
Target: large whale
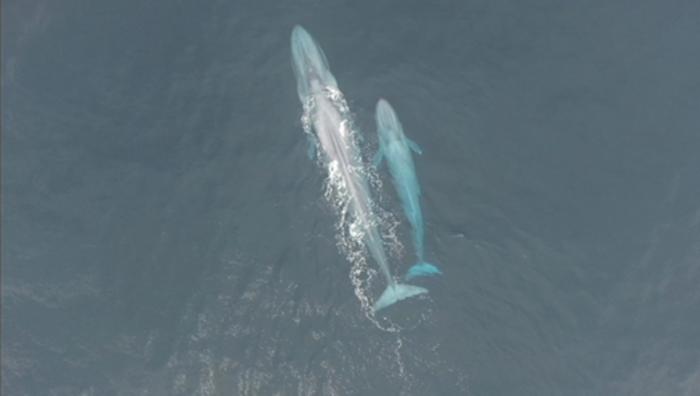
[(396, 148), (318, 89)]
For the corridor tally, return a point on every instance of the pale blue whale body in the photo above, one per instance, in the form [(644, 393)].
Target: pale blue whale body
[(396, 147), (316, 85)]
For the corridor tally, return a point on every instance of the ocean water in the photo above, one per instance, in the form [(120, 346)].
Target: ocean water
[(165, 233)]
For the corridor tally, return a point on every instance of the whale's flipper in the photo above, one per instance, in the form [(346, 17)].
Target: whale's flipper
[(311, 146), (414, 146), (377, 160), (422, 269), (311, 149), (397, 292)]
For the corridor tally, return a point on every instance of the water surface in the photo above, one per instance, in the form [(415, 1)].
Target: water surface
[(164, 232)]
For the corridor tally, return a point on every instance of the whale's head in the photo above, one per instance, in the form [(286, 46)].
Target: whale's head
[(309, 62), (389, 127)]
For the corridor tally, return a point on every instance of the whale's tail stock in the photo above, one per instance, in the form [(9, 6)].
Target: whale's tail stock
[(396, 292), (422, 269)]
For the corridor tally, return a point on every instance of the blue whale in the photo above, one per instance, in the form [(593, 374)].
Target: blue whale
[(318, 91), (396, 148)]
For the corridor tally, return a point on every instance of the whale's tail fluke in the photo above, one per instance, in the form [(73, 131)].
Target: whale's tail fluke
[(396, 292), (422, 269)]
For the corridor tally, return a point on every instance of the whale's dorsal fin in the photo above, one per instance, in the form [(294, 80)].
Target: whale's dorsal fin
[(414, 146)]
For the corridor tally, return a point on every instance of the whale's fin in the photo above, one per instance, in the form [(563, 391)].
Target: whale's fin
[(397, 292), (311, 150), (414, 146), (422, 269), (377, 160)]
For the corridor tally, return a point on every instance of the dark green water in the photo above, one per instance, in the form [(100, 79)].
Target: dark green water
[(164, 233)]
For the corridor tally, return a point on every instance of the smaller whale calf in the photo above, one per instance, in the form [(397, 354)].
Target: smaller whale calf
[(396, 148)]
